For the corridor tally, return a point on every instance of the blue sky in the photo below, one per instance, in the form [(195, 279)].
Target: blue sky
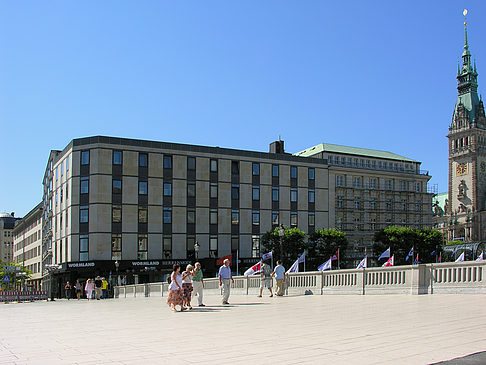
[(237, 74)]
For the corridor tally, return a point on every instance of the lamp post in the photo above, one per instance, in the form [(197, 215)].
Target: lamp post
[(196, 249), (281, 232)]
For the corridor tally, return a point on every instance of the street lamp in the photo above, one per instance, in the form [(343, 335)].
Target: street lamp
[(196, 249), (281, 232)]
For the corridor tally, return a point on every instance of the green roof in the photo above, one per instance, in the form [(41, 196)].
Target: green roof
[(334, 148)]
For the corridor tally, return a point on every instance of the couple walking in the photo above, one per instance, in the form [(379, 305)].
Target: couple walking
[(183, 285)]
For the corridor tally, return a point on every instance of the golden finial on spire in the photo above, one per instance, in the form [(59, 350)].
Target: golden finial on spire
[(464, 13)]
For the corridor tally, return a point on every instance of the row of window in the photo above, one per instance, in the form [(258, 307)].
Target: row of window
[(191, 164), (373, 184), (60, 168), (369, 164), (358, 204)]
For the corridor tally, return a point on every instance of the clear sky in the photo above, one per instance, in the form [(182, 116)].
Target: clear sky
[(237, 74)]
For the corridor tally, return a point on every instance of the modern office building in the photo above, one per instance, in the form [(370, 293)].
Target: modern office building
[(7, 224), (461, 216), (27, 243), (370, 190), (116, 206)]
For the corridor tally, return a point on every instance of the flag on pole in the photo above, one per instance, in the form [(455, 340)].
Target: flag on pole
[(439, 260), (301, 258), (363, 264), (390, 262), (221, 260), (254, 269), (385, 254), (460, 258), (267, 256), (325, 266), (480, 257), (335, 256), (410, 254), (294, 267), (416, 260), (433, 253)]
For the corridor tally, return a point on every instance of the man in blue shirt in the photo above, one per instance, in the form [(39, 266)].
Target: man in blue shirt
[(279, 273), (224, 280)]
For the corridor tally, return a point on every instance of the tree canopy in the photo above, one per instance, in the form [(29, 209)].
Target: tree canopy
[(15, 279), (323, 243), (293, 244)]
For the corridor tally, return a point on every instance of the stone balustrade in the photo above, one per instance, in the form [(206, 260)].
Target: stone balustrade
[(445, 278)]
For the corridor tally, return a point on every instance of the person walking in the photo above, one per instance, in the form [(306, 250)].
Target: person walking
[(187, 286), (89, 287), (175, 288), (78, 288), (198, 284), (225, 277), (98, 286), (67, 290), (266, 282), (279, 273), (104, 288)]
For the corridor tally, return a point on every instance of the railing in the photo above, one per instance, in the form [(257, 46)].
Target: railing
[(445, 278)]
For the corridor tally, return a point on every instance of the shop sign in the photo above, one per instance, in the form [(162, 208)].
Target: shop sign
[(80, 264)]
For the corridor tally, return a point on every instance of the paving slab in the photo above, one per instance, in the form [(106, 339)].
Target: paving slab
[(398, 329)]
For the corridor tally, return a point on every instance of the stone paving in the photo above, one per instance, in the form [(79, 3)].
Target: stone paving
[(393, 329)]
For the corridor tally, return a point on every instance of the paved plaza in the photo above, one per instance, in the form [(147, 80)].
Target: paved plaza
[(393, 329)]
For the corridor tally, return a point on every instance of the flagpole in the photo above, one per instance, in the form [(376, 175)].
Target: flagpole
[(237, 263), (339, 254), (304, 259)]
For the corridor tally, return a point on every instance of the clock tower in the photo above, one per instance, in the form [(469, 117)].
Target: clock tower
[(467, 156)]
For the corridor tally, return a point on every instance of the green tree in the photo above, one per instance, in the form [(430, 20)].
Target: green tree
[(402, 239), (323, 243), (293, 244)]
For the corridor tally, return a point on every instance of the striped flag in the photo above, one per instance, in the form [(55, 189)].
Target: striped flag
[(254, 269), (480, 257), (363, 264), (410, 254), (390, 262), (385, 254), (325, 266), (294, 267), (267, 256), (460, 258)]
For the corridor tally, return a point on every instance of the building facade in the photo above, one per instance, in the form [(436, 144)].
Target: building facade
[(27, 243), (115, 206), (7, 224), (370, 190), (464, 216)]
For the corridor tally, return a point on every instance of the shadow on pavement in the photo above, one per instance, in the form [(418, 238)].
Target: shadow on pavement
[(473, 359)]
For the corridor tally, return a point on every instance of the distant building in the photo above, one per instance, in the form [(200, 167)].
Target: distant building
[(370, 190), (7, 223), (27, 239)]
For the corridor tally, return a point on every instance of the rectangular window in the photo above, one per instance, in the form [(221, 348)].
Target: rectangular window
[(235, 217), (404, 204), (167, 247), (142, 247), (275, 218), (372, 183), (62, 169), (116, 246), (167, 215), (356, 203), (191, 189), (167, 189), (293, 172), (312, 196), (417, 187), (142, 159), (84, 185), (256, 169), (67, 164), (388, 204), (213, 247), (339, 201), (191, 216), (191, 163), (117, 187), (255, 217), (213, 216), (293, 219), (275, 194), (235, 243), (403, 185), (372, 224), (356, 182), (312, 218), (85, 158), (142, 214), (312, 173), (116, 214), (117, 158), (214, 165), (235, 167), (142, 187), (255, 193), (417, 207), (388, 184), (339, 180), (372, 203), (255, 246), (83, 247), (293, 195), (235, 191), (167, 162), (83, 214), (275, 170), (213, 191)]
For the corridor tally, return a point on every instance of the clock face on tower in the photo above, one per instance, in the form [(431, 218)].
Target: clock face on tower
[(461, 169)]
